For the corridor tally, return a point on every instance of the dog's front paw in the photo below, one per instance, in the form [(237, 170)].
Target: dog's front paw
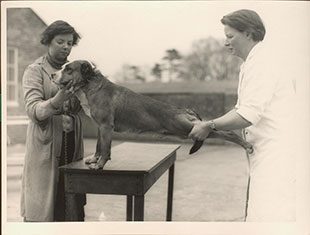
[(99, 164), (94, 166), (92, 159)]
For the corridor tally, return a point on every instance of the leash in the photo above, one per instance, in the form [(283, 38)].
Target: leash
[(66, 159), (66, 148), (65, 143)]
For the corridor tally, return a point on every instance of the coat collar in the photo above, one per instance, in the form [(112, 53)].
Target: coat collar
[(252, 53), (46, 66)]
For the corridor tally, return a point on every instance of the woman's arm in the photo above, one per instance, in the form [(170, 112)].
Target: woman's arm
[(37, 108), (53, 105), (44, 110), (229, 121), (34, 95)]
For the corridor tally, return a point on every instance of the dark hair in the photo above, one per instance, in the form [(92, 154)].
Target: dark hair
[(246, 21), (56, 28)]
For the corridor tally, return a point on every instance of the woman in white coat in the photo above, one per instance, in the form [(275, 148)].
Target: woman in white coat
[(263, 114)]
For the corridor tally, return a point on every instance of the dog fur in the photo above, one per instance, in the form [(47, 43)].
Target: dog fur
[(116, 108)]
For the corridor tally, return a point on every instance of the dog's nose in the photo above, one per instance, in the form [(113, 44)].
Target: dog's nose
[(53, 75)]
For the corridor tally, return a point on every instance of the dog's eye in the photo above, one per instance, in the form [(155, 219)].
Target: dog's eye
[(68, 70)]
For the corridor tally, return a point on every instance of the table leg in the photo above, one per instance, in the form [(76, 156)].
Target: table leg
[(170, 193), (129, 208), (74, 207), (139, 208)]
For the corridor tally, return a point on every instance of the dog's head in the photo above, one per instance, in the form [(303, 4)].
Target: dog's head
[(79, 72)]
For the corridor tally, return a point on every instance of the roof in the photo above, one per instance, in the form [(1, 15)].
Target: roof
[(39, 18)]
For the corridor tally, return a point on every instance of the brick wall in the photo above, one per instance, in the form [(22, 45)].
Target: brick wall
[(23, 32)]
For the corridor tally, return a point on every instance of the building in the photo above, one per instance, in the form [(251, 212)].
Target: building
[(23, 46), (24, 27)]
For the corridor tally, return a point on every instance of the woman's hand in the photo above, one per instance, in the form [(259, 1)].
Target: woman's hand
[(62, 95), (200, 131), (53, 106), (72, 105), (67, 123)]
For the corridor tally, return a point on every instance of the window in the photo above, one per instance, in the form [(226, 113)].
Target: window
[(12, 76)]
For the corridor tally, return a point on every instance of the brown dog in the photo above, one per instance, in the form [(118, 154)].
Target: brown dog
[(116, 108)]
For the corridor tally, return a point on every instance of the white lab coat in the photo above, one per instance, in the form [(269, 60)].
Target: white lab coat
[(265, 98)]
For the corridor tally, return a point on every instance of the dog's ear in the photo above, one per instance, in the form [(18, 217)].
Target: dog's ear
[(87, 70)]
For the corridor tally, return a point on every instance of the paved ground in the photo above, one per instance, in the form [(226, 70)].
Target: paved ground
[(209, 186)]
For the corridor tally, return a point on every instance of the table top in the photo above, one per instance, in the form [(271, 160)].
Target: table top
[(129, 157)]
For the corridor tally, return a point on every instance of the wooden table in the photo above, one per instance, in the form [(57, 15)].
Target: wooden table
[(134, 168)]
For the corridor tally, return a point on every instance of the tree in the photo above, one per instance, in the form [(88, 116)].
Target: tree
[(136, 73), (223, 65), (173, 58), (209, 59), (129, 73), (157, 71), (197, 62)]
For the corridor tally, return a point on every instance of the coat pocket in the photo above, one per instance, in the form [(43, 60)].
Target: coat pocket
[(38, 142), (44, 134)]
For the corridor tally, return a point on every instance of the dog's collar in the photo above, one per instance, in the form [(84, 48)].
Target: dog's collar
[(82, 84), (78, 86)]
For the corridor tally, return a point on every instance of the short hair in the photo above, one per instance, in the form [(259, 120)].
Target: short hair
[(56, 28), (246, 21)]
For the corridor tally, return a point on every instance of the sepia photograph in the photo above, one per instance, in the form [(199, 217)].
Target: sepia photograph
[(155, 117)]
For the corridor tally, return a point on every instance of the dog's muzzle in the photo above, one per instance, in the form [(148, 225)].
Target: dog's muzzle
[(54, 80)]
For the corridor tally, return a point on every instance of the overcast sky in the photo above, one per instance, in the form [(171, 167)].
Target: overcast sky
[(138, 33)]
